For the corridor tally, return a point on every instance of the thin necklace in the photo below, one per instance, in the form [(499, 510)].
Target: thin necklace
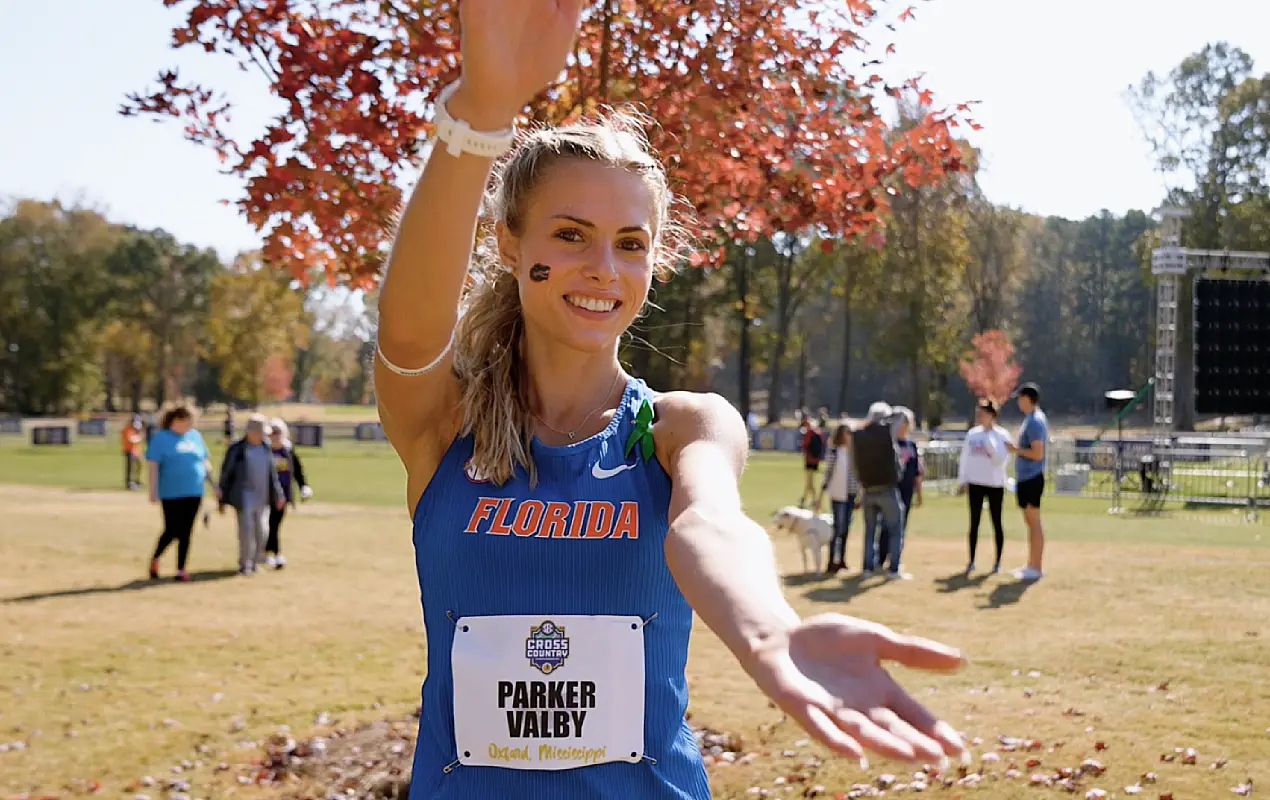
[(573, 433)]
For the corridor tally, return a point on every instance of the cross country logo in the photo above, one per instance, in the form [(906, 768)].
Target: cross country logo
[(547, 647)]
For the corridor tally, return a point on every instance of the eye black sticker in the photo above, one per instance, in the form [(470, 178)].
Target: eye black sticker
[(539, 273)]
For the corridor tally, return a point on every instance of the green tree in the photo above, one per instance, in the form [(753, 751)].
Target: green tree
[(992, 271), (255, 313), (52, 291), (161, 286), (917, 306), (128, 362)]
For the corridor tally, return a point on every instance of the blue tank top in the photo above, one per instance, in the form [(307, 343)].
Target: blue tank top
[(592, 560)]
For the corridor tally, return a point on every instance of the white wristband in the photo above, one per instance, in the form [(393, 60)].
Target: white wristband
[(410, 373), (459, 136)]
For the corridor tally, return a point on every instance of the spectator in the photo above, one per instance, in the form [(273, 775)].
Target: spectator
[(179, 464), (981, 472), (813, 447), (912, 470), (229, 425), (1029, 472), (290, 476), (249, 482), (844, 491), (877, 466), (131, 438)]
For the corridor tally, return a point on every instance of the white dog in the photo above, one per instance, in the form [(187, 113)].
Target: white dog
[(814, 531)]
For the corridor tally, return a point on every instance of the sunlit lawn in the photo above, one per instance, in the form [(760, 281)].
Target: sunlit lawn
[(107, 677)]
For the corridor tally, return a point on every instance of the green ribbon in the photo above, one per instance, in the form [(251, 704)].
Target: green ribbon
[(641, 432)]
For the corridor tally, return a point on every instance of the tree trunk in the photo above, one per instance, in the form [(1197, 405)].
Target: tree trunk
[(845, 380), (160, 373), (802, 375), (108, 387), (774, 377), (784, 315), (606, 42), (743, 354), (919, 401)]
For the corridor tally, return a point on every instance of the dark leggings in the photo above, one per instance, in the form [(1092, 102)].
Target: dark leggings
[(179, 514), (274, 544), (994, 495)]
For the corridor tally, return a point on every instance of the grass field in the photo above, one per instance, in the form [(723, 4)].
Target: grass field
[(1148, 635)]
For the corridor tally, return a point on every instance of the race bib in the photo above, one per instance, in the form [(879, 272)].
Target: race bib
[(548, 692)]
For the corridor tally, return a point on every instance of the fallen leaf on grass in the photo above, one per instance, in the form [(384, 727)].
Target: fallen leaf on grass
[(1243, 789)]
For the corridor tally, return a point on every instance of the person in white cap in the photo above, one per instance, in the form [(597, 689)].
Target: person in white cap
[(249, 482)]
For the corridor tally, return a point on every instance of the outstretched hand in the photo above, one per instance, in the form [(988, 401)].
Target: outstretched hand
[(511, 50), (828, 675)]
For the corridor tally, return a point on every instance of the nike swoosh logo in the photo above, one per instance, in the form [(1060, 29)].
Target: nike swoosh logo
[(601, 473)]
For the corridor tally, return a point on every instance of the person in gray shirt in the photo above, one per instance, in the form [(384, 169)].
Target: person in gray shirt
[(249, 482)]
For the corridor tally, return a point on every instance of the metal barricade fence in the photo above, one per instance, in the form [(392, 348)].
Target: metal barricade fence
[(1144, 477)]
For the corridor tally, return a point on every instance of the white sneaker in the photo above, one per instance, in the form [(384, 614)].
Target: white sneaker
[(899, 576), (271, 561), (1028, 574)]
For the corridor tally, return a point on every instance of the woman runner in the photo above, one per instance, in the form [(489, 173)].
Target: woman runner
[(568, 519)]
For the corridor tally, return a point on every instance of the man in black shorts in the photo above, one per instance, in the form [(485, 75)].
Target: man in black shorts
[(1029, 474)]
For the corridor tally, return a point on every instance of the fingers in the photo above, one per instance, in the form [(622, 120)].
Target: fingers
[(924, 748), (819, 724), (924, 722), (916, 652), (874, 736)]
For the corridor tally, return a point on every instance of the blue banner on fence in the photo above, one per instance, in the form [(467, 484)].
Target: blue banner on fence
[(10, 424), (51, 434), (369, 432), (782, 439), (91, 427), (306, 434)]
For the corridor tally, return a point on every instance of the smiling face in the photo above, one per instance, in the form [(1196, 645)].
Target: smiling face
[(583, 256)]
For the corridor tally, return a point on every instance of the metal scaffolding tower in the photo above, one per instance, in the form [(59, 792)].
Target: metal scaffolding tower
[(1169, 263)]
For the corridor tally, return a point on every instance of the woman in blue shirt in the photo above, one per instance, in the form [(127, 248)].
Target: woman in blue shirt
[(179, 465)]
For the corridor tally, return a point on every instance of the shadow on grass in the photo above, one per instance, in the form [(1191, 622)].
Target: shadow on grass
[(1007, 594), (131, 586), (958, 581), (846, 589)]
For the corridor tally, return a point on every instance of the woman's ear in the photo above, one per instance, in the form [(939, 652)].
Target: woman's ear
[(508, 247)]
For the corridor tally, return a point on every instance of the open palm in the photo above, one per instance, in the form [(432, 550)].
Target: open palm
[(513, 48), (828, 675)]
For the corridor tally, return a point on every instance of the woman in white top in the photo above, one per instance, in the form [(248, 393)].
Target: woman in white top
[(844, 489), (982, 470)]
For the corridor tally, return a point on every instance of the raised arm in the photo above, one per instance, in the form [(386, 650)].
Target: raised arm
[(824, 671), (418, 304), (511, 49)]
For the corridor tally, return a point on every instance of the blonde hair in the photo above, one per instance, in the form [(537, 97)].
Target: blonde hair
[(489, 336)]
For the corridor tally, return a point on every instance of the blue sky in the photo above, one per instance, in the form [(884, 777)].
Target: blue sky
[(1058, 137)]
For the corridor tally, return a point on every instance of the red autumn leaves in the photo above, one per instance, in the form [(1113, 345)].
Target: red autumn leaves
[(761, 122)]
